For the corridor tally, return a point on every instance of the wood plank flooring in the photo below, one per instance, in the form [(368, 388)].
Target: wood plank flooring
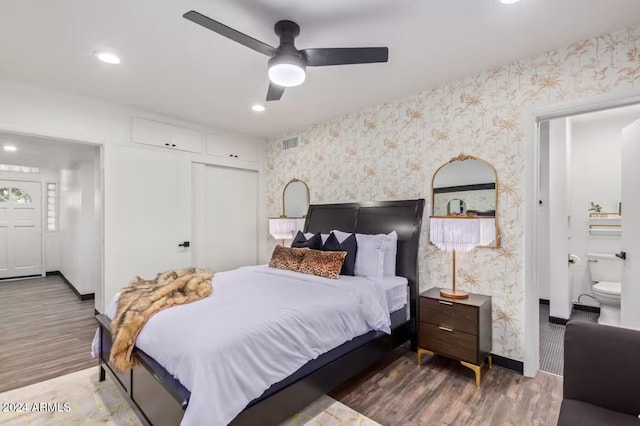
[(442, 392), (45, 331)]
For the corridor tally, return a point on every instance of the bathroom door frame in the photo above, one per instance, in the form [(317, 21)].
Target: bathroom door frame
[(531, 120)]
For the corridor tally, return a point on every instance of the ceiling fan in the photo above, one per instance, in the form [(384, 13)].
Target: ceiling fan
[(287, 64)]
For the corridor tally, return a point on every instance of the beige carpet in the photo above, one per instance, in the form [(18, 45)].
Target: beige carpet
[(79, 399)]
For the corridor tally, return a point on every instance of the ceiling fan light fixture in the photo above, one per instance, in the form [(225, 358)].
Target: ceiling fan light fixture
[(107, 57), (287, 71)]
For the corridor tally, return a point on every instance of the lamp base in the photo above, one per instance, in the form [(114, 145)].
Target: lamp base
[(454, 294)]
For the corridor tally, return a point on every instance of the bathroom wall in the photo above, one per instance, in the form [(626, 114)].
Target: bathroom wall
[(594, 176)]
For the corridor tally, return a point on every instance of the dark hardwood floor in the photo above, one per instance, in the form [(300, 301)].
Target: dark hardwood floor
[(45, 331), (442, 392)]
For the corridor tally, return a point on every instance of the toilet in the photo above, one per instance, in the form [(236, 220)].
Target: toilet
[(606, 271)]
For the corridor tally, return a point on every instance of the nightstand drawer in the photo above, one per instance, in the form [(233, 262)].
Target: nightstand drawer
[(452, 315), (454, 344)]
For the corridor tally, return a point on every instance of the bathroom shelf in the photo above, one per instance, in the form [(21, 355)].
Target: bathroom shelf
[(605, 224), (605, 231)]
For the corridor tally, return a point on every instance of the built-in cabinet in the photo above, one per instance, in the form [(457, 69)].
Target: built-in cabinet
[(155, 133), (236, 150), (164, 135)]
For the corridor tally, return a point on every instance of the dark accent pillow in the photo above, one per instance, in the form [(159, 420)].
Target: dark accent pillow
[(350, 245), (325, 264), (287, 258), (300, 241)]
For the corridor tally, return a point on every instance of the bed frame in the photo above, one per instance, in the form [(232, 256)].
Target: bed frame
[(159, 399)]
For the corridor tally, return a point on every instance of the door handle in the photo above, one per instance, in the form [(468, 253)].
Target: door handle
[(622, 255), (442, 302), (185, 244), (446, 329)]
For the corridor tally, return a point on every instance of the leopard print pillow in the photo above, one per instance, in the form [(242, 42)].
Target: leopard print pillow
[(287, 258), (325, 264)]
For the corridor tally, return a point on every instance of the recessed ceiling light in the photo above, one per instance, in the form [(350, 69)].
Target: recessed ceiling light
[(258, 107), (509, 1), (107, 57), (10, 148)]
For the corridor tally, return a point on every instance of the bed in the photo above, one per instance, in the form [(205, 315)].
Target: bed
[(160, 399)]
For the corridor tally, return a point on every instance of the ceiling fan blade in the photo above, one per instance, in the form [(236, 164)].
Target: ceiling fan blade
[(274, 93), (345, 56), (230, 33)]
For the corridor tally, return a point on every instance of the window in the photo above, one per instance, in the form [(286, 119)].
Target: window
[(16, 195), (18, 169), (19, 196), (52, 210)]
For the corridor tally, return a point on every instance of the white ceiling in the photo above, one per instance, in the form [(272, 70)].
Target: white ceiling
[(174, 67), (44, 153)]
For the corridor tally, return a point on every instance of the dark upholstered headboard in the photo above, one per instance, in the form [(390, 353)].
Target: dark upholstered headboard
[(404, 217)]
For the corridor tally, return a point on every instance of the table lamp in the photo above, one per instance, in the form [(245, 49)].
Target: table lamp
[(460, 233)]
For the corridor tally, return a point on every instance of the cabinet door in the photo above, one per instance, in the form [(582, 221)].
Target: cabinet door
[(186, 139), (231, 149), (150, 132), (154, 133)]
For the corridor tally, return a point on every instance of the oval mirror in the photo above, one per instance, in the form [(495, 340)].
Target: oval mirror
[(466, 186), (295, 199)]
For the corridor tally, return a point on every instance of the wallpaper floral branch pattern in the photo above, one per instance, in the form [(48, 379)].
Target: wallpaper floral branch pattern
[(390, 152)]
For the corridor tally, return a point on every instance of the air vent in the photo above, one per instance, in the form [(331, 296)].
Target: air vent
[(290, 143)]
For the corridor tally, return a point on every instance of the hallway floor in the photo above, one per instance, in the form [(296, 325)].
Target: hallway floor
[(46, 331), (552, 339)]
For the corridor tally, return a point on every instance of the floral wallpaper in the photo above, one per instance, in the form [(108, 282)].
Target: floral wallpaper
[(390, 152)]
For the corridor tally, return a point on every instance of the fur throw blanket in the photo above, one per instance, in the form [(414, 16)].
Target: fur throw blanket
[(141, 299)]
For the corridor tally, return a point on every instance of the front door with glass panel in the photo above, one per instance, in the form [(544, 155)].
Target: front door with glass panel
[(20, 229)]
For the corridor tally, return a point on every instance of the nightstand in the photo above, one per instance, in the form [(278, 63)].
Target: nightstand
[(456, 328)]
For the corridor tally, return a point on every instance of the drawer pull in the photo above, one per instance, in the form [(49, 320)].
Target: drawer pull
[(445, 329), (445, 303)]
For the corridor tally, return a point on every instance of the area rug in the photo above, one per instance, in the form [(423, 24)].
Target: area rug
[(79, 399)]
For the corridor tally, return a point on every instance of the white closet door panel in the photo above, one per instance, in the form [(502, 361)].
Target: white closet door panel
[(147, 196), (231, 217)]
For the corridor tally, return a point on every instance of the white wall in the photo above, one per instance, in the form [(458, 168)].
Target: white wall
[(80, 234), (595, 176), (30, 109), (51, 240), (559, 202)]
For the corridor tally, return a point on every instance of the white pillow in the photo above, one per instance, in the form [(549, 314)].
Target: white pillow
[(390, 254), (323, 237), (370, 256)]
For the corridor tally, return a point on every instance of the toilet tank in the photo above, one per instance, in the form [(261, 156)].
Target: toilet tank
[(605, 267)]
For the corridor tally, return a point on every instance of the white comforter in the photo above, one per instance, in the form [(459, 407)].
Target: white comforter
[(258, 327)]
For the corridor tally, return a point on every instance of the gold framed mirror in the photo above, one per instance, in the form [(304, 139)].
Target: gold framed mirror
[(295, 199), (464, 187)]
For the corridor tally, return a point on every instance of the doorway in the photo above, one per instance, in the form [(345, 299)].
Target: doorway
[(50, 256), (580, 236)]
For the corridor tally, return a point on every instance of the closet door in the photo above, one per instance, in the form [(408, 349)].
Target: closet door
[(231, 212)]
